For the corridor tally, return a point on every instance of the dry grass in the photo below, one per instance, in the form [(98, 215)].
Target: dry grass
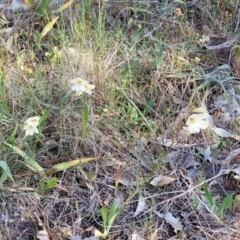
[(149, 72)]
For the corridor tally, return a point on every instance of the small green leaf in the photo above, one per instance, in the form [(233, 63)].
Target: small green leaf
[(226, 203), (208, 195), (114, 211), (51, 183), (43, 117), (48, 28), (104, 213)]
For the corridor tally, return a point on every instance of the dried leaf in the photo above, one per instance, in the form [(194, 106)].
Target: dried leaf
[(175, 222), (162, 181), (66, 165), (130, 183), (141, 206), (42, 235)]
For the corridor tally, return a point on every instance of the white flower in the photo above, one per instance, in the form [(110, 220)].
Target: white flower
[(80, 85), (31, 125), (34, 121), (196, 122), (88, 88), (30, 129)]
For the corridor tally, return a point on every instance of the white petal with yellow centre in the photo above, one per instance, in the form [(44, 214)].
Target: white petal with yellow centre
[(196, 122), (30, 130), (89, 88), (34, 121), (78, 84)]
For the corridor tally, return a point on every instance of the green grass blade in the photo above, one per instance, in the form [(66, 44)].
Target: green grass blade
[(104, 213), (66, 165), (114, 211), (63, 7), (44, 4), (29, 162), (43, 117), (3, 104), (226, 203), (6, 172), (208, 195), (48, 28), (51, 184)]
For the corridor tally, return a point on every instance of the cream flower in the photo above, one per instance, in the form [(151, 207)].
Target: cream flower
[(196, 122), (30, 129), (34, 121), (78, 84), (88, 88), (31, 125)]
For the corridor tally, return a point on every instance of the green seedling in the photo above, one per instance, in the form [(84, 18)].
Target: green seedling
[(226, 203), (108, 216)]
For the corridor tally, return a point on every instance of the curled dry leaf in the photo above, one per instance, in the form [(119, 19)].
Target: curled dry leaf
[(162, 181), (175, 222), (141, 205)]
